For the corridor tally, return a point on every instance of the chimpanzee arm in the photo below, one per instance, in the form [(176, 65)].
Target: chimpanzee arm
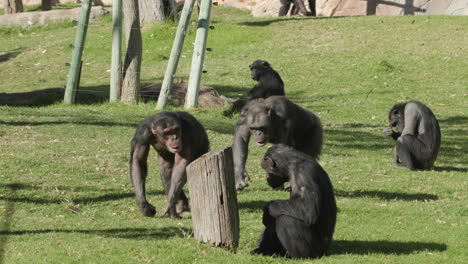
[(412, 119), (178, 179), (303, 205), (240, 152), (138, 172)]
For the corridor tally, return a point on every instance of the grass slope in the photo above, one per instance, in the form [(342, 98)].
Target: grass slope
[(65, 194)]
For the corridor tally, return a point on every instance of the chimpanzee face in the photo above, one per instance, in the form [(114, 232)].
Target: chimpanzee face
[(260, 135), (170, 136), (396, 117), (258, 121), (257, 68), (173, 139)]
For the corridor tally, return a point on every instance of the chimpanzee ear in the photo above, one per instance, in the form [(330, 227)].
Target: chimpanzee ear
[(266, 64)]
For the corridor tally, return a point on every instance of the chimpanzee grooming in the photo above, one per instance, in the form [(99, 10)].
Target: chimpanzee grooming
[(303, 226), (417, 135), (179, 139), (275, 120), (269, 84)]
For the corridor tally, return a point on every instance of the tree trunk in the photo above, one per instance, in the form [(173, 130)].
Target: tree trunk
[(12, 6), (132, 64), (213, 198), (46, 5), (151, 10)]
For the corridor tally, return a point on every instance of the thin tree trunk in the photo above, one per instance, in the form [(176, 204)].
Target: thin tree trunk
[(132, 64), (12, 6), (46, 5)]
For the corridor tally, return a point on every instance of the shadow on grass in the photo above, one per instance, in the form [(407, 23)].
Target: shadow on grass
[(5, 56), (84, 95), (127, 233), (357, 140), (345, 247), (44, 123), (284, 19), (387, 195), (84, 200)]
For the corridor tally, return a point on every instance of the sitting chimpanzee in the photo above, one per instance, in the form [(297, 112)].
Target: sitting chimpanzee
[(417, 136), (179, 139), (303, 226), (275, 120), (269, 84)]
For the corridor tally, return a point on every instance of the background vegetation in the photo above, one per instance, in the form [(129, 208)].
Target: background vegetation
[(65, 194)]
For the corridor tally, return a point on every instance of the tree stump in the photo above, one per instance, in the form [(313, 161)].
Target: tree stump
[(213, 198)]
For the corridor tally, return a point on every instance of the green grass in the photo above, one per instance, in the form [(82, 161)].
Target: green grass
[(65, 193)]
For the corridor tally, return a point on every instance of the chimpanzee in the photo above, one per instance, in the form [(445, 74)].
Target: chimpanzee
[(417, 135), (298, 7), (269, 84), (303, 226), (275, 120), (179, 139)]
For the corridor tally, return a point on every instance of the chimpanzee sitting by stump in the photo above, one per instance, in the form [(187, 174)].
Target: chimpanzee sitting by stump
[(303, 226)]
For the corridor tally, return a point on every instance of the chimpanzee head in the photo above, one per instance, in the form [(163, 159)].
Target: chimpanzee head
[(271, 163), (168, 133), (396, 117), (257, 68), (259, 119)]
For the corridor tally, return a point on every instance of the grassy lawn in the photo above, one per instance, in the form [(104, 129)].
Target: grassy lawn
[(65, 193)]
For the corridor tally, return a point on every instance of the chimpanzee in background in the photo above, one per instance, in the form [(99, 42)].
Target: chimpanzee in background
[(269, 84), (303, 226), (275, 120), (297, 7), (417, 135), (179, 139)]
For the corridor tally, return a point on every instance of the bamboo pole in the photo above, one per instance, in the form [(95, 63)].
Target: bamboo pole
[(70, 90), (116, 50), (213, 198), (175, 53), (198, 55)]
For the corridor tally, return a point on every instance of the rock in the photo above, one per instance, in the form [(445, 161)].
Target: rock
[(208, 97), (391, 7), (26, 19), (266, 8)]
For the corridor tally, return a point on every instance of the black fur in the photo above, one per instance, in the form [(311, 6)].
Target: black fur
[(269, 84), (417, 135), (303, 226), (275, 120), (194, 144)]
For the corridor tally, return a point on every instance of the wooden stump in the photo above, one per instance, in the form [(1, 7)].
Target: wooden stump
[(213, 198)]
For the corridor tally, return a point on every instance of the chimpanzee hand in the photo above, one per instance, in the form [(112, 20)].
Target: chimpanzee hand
[(388, 131), (241, 184), (148, 209)]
